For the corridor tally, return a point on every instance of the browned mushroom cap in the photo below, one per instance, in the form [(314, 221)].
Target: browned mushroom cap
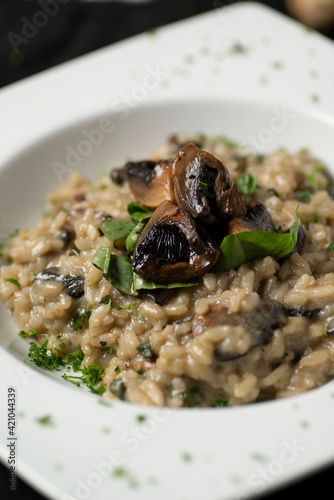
[(257, 218), (173, 247), (200, 181), (150, 182), (257, 327)]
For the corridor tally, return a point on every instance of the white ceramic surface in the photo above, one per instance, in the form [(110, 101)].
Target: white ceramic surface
[(242, 71)]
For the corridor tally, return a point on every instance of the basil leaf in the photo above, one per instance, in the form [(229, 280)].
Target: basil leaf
[(101, 259), (237, 249), (131, 240), (247, 184), (138, 212), (139, 283), (117, 270), (330, 247), (116, 230)]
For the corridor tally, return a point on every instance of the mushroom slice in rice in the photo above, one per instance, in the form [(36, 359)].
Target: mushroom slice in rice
[(257, 218), (151, 182), (252, 329)]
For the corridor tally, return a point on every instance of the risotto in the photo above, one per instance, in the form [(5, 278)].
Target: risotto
[(202, 276)]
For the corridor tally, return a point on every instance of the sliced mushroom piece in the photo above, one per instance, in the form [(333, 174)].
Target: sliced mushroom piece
[(256, 327), (67, 235), (257, 218), (230, 203), (159, 295), (178, 141), (74, 286), (172, 247), (200, 185), (301, 312), (150, 182)]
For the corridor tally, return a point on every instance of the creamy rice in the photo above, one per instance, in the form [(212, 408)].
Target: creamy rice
[(181, 367)]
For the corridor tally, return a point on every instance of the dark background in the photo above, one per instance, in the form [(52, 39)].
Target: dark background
[(81, 27)]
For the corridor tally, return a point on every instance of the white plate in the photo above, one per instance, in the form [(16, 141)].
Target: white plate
[(242, 71)]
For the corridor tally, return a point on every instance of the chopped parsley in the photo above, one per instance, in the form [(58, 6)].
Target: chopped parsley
[(221, 403), (191, 397), (31, 333), (44, 357), (238, 48), (91, 375), (186, 457), (45, 421), (76, 358)]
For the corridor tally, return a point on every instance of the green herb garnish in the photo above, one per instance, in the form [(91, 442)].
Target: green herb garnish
[(191, 397), (91, 376), (330, 247), (138, 212), (74, 250), (312, 178), (247, 184), (12, 280), (80, 320), (46, 420), (31, 333), (76, 359), (117, 387), (118, 271), (146, 350), (14, 233), (44, 357), (220, 404), (240, 248), (116, 230)]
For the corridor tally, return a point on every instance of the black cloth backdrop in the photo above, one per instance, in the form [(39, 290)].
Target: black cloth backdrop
[(79, 28)]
